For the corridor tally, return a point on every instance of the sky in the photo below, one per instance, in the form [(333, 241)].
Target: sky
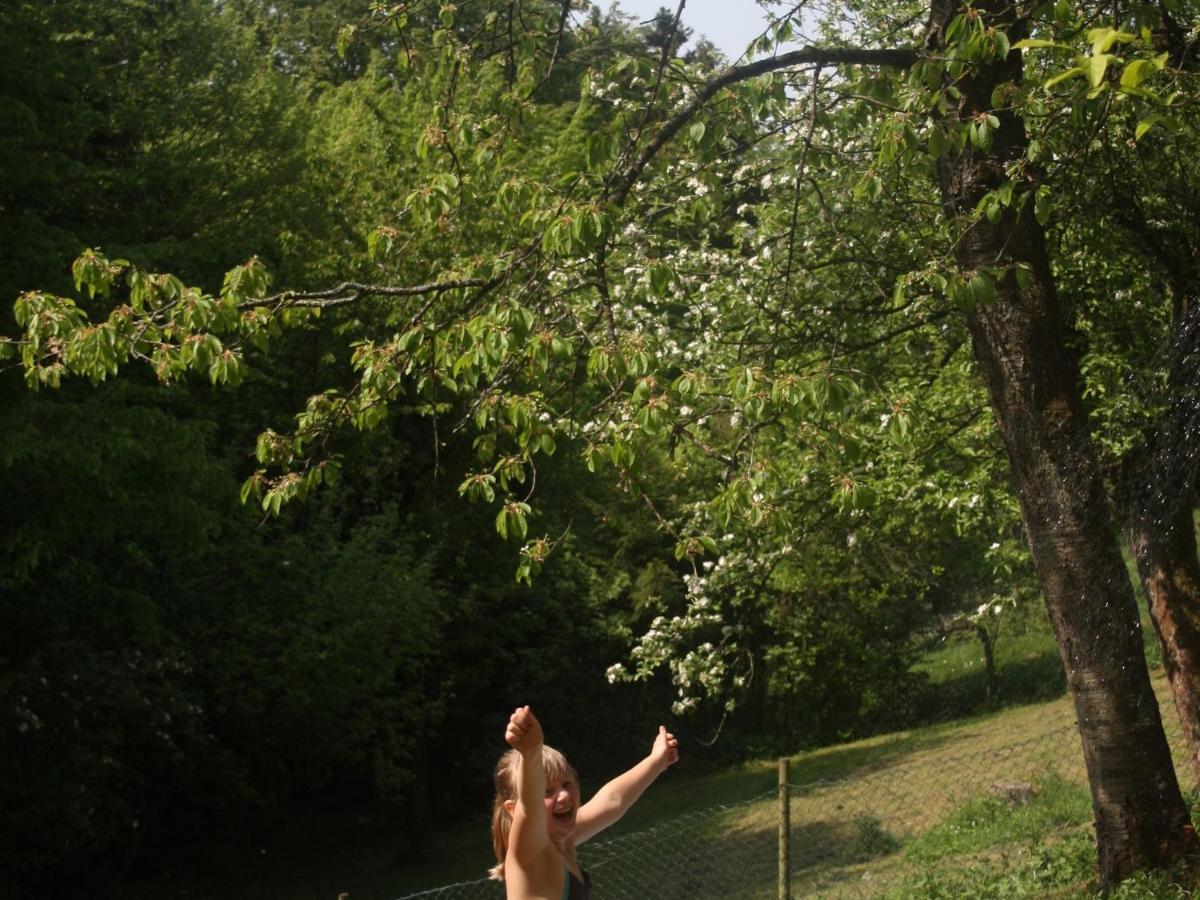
[(730, 24)]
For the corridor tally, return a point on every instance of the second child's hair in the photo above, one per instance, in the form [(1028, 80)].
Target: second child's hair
[(556, 767)]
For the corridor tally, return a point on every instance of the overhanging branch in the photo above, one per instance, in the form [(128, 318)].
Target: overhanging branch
[(350, 291), (900, 58)]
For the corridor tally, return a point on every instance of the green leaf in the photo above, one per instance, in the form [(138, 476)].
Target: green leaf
[(379, 243), (248, 487), (1043, 205), (1038, 43), (980, 135), (1061, 76), (1096, 67), (938, 142), (955, 26), (525, 573), (696, 132), (1146, 124), (1001, 44), (1023, 276), (960, 294), (660, 279), (982, 288), (333, 471), (1102, 39), (1136, 72), (871, 185), (344, 38)]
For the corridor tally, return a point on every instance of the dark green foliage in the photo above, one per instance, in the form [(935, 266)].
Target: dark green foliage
[(156, 129), (179, 674), (170, 663), (109, 510)]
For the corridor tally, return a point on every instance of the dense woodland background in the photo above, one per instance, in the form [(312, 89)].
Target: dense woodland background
[(181, 674)]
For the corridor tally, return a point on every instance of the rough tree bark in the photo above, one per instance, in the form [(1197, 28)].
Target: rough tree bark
[(989, 660), (1020, 342), (1165, 550), (1157, 494), (1157, 482)]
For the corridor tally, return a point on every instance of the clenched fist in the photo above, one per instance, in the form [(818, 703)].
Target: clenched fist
[(524, 731), (666, 749)]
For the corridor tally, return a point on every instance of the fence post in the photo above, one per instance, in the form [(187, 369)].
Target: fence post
[(785, 828)]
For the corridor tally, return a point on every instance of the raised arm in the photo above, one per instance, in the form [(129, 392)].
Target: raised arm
[(614, 799), (528, 841)]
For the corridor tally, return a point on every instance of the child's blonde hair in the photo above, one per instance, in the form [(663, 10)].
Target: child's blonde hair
[(556, 767)]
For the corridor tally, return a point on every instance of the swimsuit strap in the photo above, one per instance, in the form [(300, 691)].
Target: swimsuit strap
[(573, 888)]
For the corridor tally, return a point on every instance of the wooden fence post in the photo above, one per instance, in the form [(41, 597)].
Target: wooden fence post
[(785, 828)]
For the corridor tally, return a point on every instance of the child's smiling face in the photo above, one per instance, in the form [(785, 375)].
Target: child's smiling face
[(562, 805)]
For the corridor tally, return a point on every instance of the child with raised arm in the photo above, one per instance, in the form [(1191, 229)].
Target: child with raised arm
[(537, 821)]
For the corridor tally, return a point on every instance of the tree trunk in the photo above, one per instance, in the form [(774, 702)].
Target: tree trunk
[(1020, 343), (989, 661), (1165, 551), (1157, 491)]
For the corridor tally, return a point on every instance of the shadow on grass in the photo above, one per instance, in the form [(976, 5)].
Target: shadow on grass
[(733, 853), (869, 755)]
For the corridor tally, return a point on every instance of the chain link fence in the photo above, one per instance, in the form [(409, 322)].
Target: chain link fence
[(858, 836)]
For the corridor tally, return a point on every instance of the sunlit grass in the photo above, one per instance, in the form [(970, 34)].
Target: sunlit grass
[(1028, 669), (990, 821)]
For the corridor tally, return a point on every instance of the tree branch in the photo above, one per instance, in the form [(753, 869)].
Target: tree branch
[(350, 291), (822, 56), (564, 14)]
